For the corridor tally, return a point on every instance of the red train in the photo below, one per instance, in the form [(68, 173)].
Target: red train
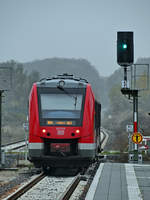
[(64, 123)]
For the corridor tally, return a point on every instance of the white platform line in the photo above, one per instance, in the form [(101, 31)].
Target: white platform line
[(132, 184), (92, 189)]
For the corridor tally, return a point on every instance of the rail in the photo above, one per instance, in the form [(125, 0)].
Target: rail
[(71, 188), (14, 145), (25, 188)]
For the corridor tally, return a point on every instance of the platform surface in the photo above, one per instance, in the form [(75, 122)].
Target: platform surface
[(117, 181)]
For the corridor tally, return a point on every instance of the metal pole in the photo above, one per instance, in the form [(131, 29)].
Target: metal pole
[(125, 76), (135, 121), (0, 126)]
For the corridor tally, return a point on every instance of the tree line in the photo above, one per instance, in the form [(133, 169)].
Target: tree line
[(15, 100)]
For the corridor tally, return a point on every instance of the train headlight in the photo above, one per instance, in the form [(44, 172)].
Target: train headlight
[(43, 131), (77, 131)]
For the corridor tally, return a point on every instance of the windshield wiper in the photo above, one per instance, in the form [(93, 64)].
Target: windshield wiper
[(72, 96)]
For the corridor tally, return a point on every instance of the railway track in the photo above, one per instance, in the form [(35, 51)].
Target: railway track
[(11, 143), (69, 191), (25, 188), (55, 187), (14, 145), (60, 188)]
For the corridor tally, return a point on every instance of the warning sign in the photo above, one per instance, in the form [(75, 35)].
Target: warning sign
[(137, 138)]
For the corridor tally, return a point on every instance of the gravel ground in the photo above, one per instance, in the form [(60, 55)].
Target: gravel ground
[(49, 188), (12, 176), (52, 187), (12, 180), (79, 190)]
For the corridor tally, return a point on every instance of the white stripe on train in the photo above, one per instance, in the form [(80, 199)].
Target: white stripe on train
[(82, 146)]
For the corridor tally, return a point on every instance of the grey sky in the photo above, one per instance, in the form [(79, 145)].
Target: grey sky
[(38, 29)]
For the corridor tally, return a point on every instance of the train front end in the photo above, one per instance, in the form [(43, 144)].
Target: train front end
[(61, 123)]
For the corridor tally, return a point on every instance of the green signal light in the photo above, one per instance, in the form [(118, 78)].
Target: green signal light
[(124, 46)]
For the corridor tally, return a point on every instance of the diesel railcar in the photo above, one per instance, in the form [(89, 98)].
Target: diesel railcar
[(64, 123)]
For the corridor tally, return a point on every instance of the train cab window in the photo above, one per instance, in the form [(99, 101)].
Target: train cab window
[(61, 105), (58, 107)]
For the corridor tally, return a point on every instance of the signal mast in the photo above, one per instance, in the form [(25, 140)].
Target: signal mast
[(125, 58)]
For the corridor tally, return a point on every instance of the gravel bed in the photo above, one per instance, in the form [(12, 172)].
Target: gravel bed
[(13, 177), (79, 190), (90, 175), (49, 188), (16, 181)]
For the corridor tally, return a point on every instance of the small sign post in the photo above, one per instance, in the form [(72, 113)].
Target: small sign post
[(137, 138), (129, 128)]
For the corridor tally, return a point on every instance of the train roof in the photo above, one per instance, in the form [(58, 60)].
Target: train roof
[(63, 80)]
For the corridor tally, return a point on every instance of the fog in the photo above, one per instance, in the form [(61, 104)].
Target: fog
[(32, 30)]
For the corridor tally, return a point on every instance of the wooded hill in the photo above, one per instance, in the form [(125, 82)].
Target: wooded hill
[(78, 67), (118, 109)]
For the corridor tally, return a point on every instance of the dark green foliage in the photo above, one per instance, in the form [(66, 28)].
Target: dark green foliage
[(15, 100), (15, 106), (120, 111), (107, 90)]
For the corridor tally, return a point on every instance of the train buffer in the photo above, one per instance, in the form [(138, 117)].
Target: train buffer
[(120, 181)]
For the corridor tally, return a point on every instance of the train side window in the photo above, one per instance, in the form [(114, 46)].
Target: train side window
[(97, 114)]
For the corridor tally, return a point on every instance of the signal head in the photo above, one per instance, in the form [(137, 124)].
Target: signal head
[(125, 50)]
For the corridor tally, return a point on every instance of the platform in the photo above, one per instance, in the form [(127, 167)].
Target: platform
[(117, 181)]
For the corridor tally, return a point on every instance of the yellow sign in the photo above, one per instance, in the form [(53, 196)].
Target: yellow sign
[(137, 138)]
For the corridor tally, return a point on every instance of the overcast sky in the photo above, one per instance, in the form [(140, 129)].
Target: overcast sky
[(38, 29)]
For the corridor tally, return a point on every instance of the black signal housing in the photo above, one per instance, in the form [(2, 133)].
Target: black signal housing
[(125, 48)]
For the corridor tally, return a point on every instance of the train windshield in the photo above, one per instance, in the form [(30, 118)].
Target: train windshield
[(61, 106)]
